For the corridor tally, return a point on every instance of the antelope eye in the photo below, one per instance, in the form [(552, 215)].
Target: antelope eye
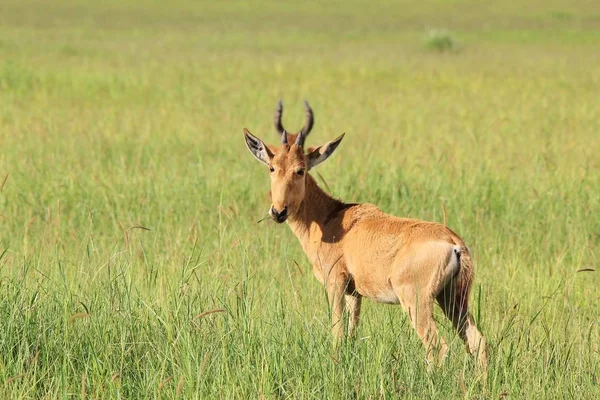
[(300, 172), (271, 169)]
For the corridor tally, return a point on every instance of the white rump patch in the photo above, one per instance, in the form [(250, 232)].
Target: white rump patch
[(453, 266)]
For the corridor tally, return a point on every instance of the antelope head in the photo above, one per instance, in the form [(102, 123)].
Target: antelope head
[(308, 125), (288, 166)]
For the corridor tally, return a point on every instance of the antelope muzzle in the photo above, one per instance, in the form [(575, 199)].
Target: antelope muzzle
[(279, 216)]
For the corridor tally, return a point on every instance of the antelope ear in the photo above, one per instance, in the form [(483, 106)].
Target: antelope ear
[(258, 148), (322, 153)]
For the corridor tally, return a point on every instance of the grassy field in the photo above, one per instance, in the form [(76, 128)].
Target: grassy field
[(129, 203)]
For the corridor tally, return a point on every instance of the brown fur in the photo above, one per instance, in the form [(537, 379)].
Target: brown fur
[(358, 251)]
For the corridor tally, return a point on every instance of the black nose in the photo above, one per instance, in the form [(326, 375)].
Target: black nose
[(279, 216)]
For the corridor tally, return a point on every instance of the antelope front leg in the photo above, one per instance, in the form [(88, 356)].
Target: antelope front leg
[(353, 303), (335, 293)]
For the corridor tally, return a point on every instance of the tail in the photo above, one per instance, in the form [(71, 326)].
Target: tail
[(475, 341), (455, 303), (464, 279)]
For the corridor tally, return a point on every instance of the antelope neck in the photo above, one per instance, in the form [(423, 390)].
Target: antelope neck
[(317, 207)]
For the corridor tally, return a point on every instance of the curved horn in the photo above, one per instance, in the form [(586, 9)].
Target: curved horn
[(277, 118), (310, 119), (284, 137), (300, 139)]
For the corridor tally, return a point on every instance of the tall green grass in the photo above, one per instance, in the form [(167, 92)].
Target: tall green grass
[(129, 204)]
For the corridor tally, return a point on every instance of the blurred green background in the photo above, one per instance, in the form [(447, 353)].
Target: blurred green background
[(122, 116)]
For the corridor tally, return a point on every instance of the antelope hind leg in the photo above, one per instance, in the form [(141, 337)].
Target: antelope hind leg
[(420, 312), (456, 310)]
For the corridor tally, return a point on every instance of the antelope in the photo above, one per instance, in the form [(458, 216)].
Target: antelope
[(308, 125), (358, 251)]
